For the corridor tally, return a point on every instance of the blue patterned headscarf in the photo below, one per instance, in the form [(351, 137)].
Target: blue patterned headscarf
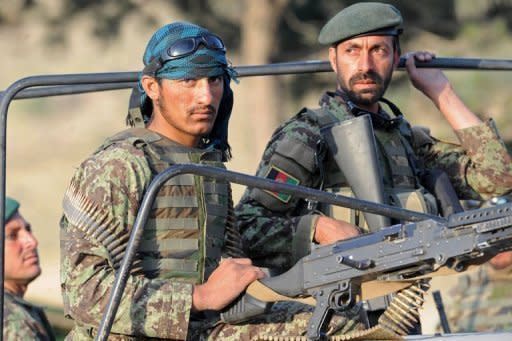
[(203, 62)]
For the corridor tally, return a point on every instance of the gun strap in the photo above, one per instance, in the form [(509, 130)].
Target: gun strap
[(263, 293), (373, 289)]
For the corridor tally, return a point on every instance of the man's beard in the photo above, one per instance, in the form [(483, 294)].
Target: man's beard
[(366, 97)]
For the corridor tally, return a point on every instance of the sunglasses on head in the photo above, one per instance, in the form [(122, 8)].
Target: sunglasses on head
[(184, 47)]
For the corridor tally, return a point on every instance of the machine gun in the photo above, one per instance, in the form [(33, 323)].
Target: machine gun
[(334, 274)]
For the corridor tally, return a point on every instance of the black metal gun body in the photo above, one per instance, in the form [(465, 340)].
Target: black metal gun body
[(333, 274)]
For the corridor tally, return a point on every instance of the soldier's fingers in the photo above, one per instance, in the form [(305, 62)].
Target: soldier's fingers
[(260, 273), (424, 56), (408, 55), (419, 55), (252, 274), (409, 59)]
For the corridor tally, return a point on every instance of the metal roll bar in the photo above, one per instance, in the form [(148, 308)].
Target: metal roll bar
[(311, 66)]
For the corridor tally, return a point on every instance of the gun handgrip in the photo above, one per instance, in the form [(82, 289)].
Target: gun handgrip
[(244, 308)]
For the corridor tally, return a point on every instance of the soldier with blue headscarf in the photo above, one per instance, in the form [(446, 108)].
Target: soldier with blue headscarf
[(178, 284)]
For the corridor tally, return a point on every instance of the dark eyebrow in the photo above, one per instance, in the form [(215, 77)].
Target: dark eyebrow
[(385, 42), (352, 44), (13, 229), (382, 44)]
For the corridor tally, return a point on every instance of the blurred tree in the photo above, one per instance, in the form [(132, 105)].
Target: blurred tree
[(259, 40), (501, 9), (10, 12), (293, 25), (261, 32)]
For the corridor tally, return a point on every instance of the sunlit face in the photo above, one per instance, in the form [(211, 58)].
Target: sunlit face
[(21, 258), (185, 110), (364, 67)]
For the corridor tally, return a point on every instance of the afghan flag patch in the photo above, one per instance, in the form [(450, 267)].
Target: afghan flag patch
[(279, 175)]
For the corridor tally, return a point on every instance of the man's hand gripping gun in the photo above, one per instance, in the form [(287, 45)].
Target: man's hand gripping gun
[(335, 274)]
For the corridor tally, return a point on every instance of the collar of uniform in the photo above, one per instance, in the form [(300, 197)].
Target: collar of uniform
[(204, 152), (339, 103), (19, 300)]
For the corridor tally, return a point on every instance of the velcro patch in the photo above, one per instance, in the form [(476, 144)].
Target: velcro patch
[(279, 175)]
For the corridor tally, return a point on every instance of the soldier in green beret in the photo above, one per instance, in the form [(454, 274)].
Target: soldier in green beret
[(364, 50), (22, 320)]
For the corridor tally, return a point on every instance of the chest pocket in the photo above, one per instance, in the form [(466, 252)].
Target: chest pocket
[(393, 154)]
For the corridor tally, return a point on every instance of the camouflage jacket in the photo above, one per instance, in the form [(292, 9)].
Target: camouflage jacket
[(277, 233), (116, 177), (24, 321), (481, 301)]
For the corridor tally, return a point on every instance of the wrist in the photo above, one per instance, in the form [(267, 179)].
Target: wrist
[(441, 94), (198, 300), (458, 115), (320, 234)]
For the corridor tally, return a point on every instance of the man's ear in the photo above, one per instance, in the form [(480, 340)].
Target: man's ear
[(332, 58), (151, 86), (396, 59)]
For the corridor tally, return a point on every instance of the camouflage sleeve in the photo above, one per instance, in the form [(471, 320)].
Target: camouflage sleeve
[(276, 232), (115, 179), (18, 325), (480, 167)]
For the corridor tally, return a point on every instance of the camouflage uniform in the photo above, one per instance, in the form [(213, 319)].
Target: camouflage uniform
[(277, 230), (481, 301), (156, 303), (24, 321)]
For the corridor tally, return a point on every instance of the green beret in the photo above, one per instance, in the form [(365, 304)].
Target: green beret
[(365, 18), (11, 206)]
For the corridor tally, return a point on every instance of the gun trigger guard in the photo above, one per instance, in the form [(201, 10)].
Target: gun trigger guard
[(345, 297)]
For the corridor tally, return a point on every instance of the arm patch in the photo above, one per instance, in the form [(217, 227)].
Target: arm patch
[(279, 175)]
